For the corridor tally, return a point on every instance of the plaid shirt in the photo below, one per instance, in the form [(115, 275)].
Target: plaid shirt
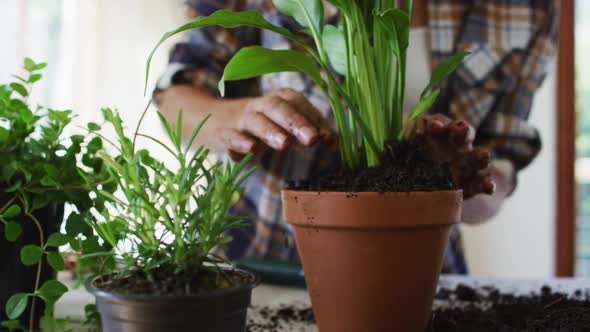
[(511, 41)]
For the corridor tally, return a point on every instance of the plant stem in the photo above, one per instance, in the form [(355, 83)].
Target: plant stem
[(39, 268)]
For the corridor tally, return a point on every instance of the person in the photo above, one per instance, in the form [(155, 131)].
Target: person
[(478, 124)]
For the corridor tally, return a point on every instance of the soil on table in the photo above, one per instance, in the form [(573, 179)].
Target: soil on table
[(468, 310), (406, 166), (166, 282), (488, 310)]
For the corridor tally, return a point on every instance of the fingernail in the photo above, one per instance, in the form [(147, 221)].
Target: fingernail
[(278, 139), (306, 135)]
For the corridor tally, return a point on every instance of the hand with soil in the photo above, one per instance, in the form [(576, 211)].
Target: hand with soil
[(452, 142)]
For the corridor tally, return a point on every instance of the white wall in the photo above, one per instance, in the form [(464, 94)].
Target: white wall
[(519, 241)]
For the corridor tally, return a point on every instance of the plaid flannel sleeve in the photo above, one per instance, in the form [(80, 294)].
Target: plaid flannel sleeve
[(511, 45), (199, 59)]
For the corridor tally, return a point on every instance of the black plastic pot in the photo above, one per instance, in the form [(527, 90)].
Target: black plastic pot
[(222, 310), (14, 276)]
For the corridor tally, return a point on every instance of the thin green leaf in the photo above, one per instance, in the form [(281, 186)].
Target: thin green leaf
[(420, 108), (194, 133), (16, 305), (444, 69), (254, 61)]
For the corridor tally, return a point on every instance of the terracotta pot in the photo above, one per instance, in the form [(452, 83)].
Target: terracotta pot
[(372, 260), (212, 311)]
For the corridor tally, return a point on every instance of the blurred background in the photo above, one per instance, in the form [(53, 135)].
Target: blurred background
[(96, 51)]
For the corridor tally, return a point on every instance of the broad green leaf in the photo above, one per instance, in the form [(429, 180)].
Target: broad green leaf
[(51, 291), (13, 325), (58, 240), (308, 13), (420, 108), (20, 89), (335, 44), (254, 61), (16, 304), (12, 231), (11, 212), (445, 68), (39, 66), (55, 260), (4, 135), (31, 254), (226, 19), (75, 224)]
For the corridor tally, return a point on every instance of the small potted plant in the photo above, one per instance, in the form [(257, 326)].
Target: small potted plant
[(40, 171), (371, 236), (162, 225)]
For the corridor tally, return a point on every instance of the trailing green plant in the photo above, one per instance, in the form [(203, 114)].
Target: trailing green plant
[(164, 219), (40, 165), (367, 50)]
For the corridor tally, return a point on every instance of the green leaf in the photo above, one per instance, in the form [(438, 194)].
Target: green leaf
[(55, 260), (4, 135), (34, 78), (226, 19), (396, 23), (93, 126), (58, 240), (420, 108), (75, 224), (29, 64), (12, 231), (31, 254), (51, 291), (13, 325), (40, 66), (16, 304), (308, 13), (12, 212), (445, 68), (336, 45), (255, 61), (20, 89)]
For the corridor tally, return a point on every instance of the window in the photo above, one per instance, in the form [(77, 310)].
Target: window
[(582, 164)]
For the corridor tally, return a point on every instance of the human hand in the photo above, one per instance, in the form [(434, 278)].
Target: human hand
[(452, 142), (277, 119)]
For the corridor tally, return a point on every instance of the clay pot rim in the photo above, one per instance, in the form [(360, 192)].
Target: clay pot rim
[(94, 290), (369, 193)]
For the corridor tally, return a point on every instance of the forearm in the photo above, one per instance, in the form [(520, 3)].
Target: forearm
[(196, 105), (483, 207)]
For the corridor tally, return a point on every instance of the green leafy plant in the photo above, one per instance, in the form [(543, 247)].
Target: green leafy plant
[(368, 49), (164, 221), (39, 166)]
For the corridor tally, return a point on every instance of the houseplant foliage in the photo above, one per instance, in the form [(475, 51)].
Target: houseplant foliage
[(368, 49), (162, 226), (41, 169), (371, 259)]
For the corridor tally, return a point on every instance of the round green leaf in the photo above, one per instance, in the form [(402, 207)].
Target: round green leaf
[(30, 254), (16, 304), (12, 231), (93, 126), (51, 291), (58, 239), (55, 260), (11, 212)]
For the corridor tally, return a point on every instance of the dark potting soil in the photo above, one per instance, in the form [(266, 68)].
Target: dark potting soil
[(165, 281), (406, 166), (488, 310), (469, 310)]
